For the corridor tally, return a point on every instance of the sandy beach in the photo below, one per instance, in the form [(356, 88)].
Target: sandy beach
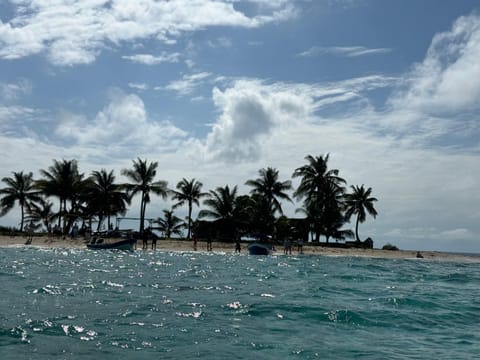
[(183, 246)]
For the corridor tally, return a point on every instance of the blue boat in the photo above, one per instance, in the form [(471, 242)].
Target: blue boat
[(259, 249)]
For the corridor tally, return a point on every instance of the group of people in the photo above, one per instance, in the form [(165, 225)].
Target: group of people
[(287, 246)]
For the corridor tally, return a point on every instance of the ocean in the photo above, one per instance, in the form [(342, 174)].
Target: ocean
[(83, 304)]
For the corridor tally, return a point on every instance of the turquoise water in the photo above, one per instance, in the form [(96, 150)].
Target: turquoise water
[(80, 304)]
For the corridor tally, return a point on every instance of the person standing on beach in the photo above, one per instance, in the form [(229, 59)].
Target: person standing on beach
[(287, 247), (238, 248), (300, 246), (30, 229), (74, 233), (145, 237)]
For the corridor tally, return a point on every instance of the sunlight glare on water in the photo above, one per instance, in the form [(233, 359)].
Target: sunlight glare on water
[(79, 304)]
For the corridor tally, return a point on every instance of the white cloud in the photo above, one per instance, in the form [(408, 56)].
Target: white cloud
[(74, 33), (138, 86), (349, 51), (14, 90), (250, 111), (457, 234), (14, 117), (223, 42), (187, 84), (123, 123), (446, 81), (148, 59)]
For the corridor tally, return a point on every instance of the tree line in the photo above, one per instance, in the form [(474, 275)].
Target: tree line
[(326, 205)]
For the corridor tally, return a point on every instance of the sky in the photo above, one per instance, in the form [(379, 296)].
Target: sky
[(216, 90)]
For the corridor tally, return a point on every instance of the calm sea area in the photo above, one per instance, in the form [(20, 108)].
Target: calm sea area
[(81, 304)]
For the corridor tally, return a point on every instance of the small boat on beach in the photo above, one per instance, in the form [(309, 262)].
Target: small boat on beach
[(125, 245), (259, 249)]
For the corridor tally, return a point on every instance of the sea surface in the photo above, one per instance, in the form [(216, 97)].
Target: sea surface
[(83, 304)]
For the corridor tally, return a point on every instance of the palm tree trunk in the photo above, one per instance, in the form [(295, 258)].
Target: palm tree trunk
[(100, 220), (64, 215), (23, 216), (189, 220), (144, 207), (356, 228), (142, 216), (60, 214)]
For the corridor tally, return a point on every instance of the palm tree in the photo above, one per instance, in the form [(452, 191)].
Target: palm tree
[(267, 191), (41, 213), (321, 189), (270, 188), (63, 180), (189, 192), (106, 197), (360, 202), (313, 217), (222, 204), (316, 179), (20, 188), (143, 175), (170, 224)]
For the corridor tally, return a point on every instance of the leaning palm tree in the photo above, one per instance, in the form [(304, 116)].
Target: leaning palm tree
[(106, 197), (359, 203), (189, 192), (142, 176), (19, 189), (170, 224)]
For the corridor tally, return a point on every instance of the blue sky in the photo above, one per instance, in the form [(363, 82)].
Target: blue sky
[(216, 90)]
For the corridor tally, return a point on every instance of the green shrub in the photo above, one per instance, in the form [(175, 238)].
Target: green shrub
[(389, 247)]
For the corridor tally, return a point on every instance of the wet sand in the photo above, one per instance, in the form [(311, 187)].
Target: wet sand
[(183, 246)]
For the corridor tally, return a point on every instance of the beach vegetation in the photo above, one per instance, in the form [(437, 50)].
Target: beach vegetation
[(322, 191), (170, 224), (142, 177), (62, 180), (360, 202), (19, 189), (389, 247), (222, 207), (188, 192), (106, 198), (41, 212), (326, 207), (267, 193)]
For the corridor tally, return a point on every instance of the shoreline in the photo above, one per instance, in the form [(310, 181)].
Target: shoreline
[(187, 246)]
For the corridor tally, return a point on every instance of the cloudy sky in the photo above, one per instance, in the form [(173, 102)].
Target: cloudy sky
[(215, 90)]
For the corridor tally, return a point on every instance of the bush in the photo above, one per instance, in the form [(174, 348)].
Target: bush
[(9, 231), (389, 247)]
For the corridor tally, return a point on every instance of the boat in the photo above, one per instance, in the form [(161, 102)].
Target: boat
[(125, 245), (259, 249)]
